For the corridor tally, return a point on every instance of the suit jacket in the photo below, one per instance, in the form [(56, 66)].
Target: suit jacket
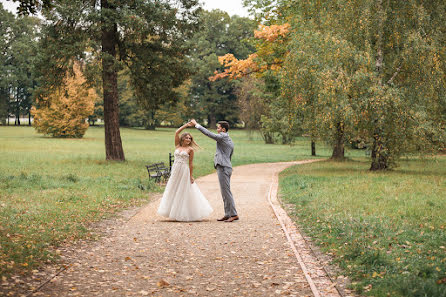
[(225, 146)]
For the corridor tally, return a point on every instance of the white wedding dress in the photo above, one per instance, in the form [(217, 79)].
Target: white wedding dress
[(183, 201)]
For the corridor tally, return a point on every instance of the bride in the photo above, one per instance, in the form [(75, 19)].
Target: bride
[(182, 199)]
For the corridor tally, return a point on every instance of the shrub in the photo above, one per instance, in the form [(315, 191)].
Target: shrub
[(64, 111)]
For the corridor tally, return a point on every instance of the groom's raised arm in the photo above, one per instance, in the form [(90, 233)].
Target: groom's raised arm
[(206, 132)]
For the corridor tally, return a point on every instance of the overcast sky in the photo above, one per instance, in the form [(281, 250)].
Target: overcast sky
[(230, 6)]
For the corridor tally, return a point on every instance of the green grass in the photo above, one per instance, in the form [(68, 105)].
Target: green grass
[(52, 189), (385, 230)]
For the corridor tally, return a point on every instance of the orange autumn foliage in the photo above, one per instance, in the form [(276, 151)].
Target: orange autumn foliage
[(272, 33), (234, 68), (63, 113)]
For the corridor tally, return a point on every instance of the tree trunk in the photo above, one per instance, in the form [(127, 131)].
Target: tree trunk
[(113, 143), (150, 122), (17, 111), (29, 118), (9, 104), (212, 120), (338, 149), (381, 12), (379, 160), (313, 148)]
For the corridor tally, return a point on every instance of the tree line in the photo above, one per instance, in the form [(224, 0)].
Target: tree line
[(370, 74), (18, 45)]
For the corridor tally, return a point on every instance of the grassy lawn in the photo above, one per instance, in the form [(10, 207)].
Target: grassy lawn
[(52, 189), (385, 230)]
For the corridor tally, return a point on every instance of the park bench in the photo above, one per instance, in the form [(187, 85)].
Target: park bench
[(159, 171), (165, 171), (171, 160), (154, 172)]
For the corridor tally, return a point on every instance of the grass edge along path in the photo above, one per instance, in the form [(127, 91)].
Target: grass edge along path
[(385, 230)]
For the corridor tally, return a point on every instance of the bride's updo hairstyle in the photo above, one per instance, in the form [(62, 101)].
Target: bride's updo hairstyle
[(192, 144)]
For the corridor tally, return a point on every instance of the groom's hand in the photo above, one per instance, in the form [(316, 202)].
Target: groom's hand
[(193, 121)]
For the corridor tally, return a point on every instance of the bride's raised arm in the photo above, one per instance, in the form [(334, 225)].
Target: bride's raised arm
[(177, 133)]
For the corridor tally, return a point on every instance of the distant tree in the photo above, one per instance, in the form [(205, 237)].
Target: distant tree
[(179, 112), (98, 112), (271, 49), (253, 104), (218, 34), (18, 44), (319, 77), (64, 112), (131, 114), (6, 19)]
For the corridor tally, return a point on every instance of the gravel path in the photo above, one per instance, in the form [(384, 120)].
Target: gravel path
[(147, 255)]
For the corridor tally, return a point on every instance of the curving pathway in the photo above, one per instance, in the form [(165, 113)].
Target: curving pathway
[(146, 255)]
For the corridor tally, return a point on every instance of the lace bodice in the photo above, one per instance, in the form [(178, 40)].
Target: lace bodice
[(181, 157)]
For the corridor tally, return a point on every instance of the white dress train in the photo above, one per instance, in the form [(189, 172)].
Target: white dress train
[(183, 201)]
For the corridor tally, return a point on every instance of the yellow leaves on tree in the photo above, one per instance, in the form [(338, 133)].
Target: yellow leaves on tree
[(63, 113), (270, 54)]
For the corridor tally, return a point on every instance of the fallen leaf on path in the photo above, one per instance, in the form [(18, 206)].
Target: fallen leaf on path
[(162, 283)]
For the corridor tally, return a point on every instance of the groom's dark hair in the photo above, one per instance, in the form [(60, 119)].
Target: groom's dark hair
[(224, 125)]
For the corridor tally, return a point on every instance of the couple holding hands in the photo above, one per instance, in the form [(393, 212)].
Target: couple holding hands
[(182, 199)]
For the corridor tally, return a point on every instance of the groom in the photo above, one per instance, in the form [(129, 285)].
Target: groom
[(222, 162)]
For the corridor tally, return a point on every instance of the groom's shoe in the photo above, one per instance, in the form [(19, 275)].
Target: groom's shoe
[(232, 219), (223, 219)]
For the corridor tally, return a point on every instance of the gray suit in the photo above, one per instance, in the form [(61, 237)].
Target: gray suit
[(222, 162)]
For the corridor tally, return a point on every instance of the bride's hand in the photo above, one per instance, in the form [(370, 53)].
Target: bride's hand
[(192, 180)]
